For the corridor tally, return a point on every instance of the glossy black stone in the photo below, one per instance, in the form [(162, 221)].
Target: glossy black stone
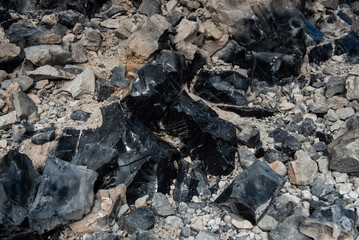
[(191, 181), (79, 115), (104, 89), (22, 36), (307, 128), (156, 88), (67, 143), (289, 143), (320, 54), (4, 15), (252, 192), (140, 218), (313, 32), (65, 194), (221, 87), (347, 44), (68, 18), (249, 112), (272, 155), (211, 139), (145, 163), (43, 138), (232, 53), (18, 181)]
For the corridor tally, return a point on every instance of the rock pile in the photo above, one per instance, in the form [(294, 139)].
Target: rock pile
[(152, 119)]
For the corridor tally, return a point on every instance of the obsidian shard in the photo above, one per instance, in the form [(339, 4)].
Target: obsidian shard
[(18, 181), (251, 193), (156, 88), (65, 194), (211, 139), (124, 150), (222, 87)]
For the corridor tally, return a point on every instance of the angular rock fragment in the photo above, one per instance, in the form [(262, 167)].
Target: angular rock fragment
[(91, 39), (334, 86), (68, 18), (343, 153), (333, 222), (250, 136), (191, 181), (9, 56), (104, 89), (289, 229), (249, 112), (307, 128), (156, 88), (24, 106), (18, 181), (143, 235), (252, 192), (222, 87), (273, 155), (303, 170), (320, 54), (174, 18), (78, 53), (347, 44), (79, 115), (232, 53), (313, 33), (65, 194), (118, 77), (211, 139), (47, 55), (145, 162), (82, 85), (106, 203), (22, 131), (25, 82), (51, 73), (67, 143), (246, 158), (161, 205), (43, 138), (150, 7), (139, 218)]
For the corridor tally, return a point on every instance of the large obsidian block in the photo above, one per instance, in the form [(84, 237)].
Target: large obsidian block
[(320, 54), (135, 156), (65, 194), (347, 44), (156, 88), (18, 181), (252, 192), (209, 138), (222, 87)]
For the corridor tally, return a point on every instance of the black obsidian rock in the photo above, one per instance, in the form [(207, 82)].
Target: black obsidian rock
[(4, 15), (232, 53), (68, 18), (23, 36), (174, 18), (67, 143), (191, 181), (145, 163), (79, 115), (18, 181), (65, 194), (249, 112), (118, 77), (252, 192), (211, 139), (347, 44), (250, 136), (221, 87), (156, 88), (140, 218), (320, 54), (289, 143), (315, 34), (307, 128), (104, 89), (43, 138)]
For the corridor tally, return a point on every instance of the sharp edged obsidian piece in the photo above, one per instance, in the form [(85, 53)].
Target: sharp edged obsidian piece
[(222, 87), (347, 44), (65, 194), (66, 147), (18, 181), (211, 139), (249, 112), (156, 88), (143, 162), (320, 54), (251, 193), (191, 181)]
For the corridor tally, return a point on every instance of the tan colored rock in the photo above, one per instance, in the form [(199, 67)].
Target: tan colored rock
[(212, 31), (186, 31), (279, 168), (7, 120), (110, 23), (141, 202), (3, 143), (8, 52), (3, 75), (98, 218), (303, 170), (83, 85), (34, 98), (50, 19), (188, 50), (37, 153), (245, 224)]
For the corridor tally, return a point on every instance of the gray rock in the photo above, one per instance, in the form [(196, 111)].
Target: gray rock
[(65, 194), (24, 106), (186, 31), (307, 128), (249, 136), (207, 235), (91, 39), (22, 131), (125, 29), (100, 235), (150, 7), (174, 17), (3, 75), (252, 192), (43, 138), (318, 108), (273, 155), (334, 222), (319, 188), (47, 55), (82, 85), (289, 229), (143, 235), (172, 223), (267, 223), (78, 53), (185, 232), (139, 218), (352, 86), (118, 77), (104, 89), (73, 69), (161, 205), (343, 153), (344, 113), (303, 170), (79, 115), (25, 82), (246, 158), (335, 85), (50, 73), (8, 52), (7, 120), (331, 4)]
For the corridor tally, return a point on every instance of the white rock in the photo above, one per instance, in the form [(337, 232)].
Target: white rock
[(352, 86), (245, 224), (82, 85)]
